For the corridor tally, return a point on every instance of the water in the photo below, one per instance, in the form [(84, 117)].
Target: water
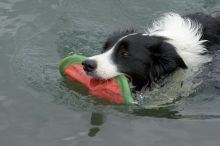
[(38, 108)]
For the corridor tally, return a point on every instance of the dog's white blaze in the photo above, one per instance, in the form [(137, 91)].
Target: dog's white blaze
[(184, 34), (106, 68)]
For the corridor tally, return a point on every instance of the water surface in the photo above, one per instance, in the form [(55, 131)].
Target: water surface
[(38, 108)]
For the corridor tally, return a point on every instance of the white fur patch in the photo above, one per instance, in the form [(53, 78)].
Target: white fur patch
[(185, 35), (106, 69)]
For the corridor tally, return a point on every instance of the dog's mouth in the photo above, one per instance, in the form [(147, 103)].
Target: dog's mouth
[(95, 75), (128, 77)]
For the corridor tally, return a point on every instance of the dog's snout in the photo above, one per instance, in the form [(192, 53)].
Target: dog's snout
[(89, 65)]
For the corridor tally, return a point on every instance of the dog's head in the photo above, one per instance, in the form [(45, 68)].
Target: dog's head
[(141, 57)]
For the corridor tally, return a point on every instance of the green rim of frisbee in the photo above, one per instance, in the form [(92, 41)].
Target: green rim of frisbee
[(70, 60)]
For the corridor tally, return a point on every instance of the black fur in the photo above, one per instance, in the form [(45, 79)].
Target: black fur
[(210, 29), (147, 59)]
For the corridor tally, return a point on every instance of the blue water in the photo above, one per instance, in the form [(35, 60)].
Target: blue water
[(38, 109)]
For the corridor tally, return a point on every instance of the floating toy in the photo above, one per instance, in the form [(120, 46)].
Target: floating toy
[(114, 90)]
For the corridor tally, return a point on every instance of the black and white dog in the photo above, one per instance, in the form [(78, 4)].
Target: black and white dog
[(172, 43)]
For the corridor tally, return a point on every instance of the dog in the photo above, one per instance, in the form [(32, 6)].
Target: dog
[(171, 44)]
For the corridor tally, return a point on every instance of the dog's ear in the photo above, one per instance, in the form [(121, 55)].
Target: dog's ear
[(165, 59)]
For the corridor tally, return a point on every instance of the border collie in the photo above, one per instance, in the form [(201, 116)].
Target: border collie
[(172, 43)]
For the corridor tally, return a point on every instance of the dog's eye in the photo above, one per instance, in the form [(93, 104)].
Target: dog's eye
[(123, 50), (124, 53)]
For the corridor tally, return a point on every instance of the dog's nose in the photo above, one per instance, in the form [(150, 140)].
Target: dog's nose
[(89, 65)]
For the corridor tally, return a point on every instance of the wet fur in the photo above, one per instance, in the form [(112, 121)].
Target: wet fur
[(172, 43)]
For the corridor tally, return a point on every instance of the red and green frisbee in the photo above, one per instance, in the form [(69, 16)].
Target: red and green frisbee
[(114, 90)]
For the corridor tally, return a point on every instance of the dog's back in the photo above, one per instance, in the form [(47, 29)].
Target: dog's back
[(211, 32), (210, 28), (216, 15)]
